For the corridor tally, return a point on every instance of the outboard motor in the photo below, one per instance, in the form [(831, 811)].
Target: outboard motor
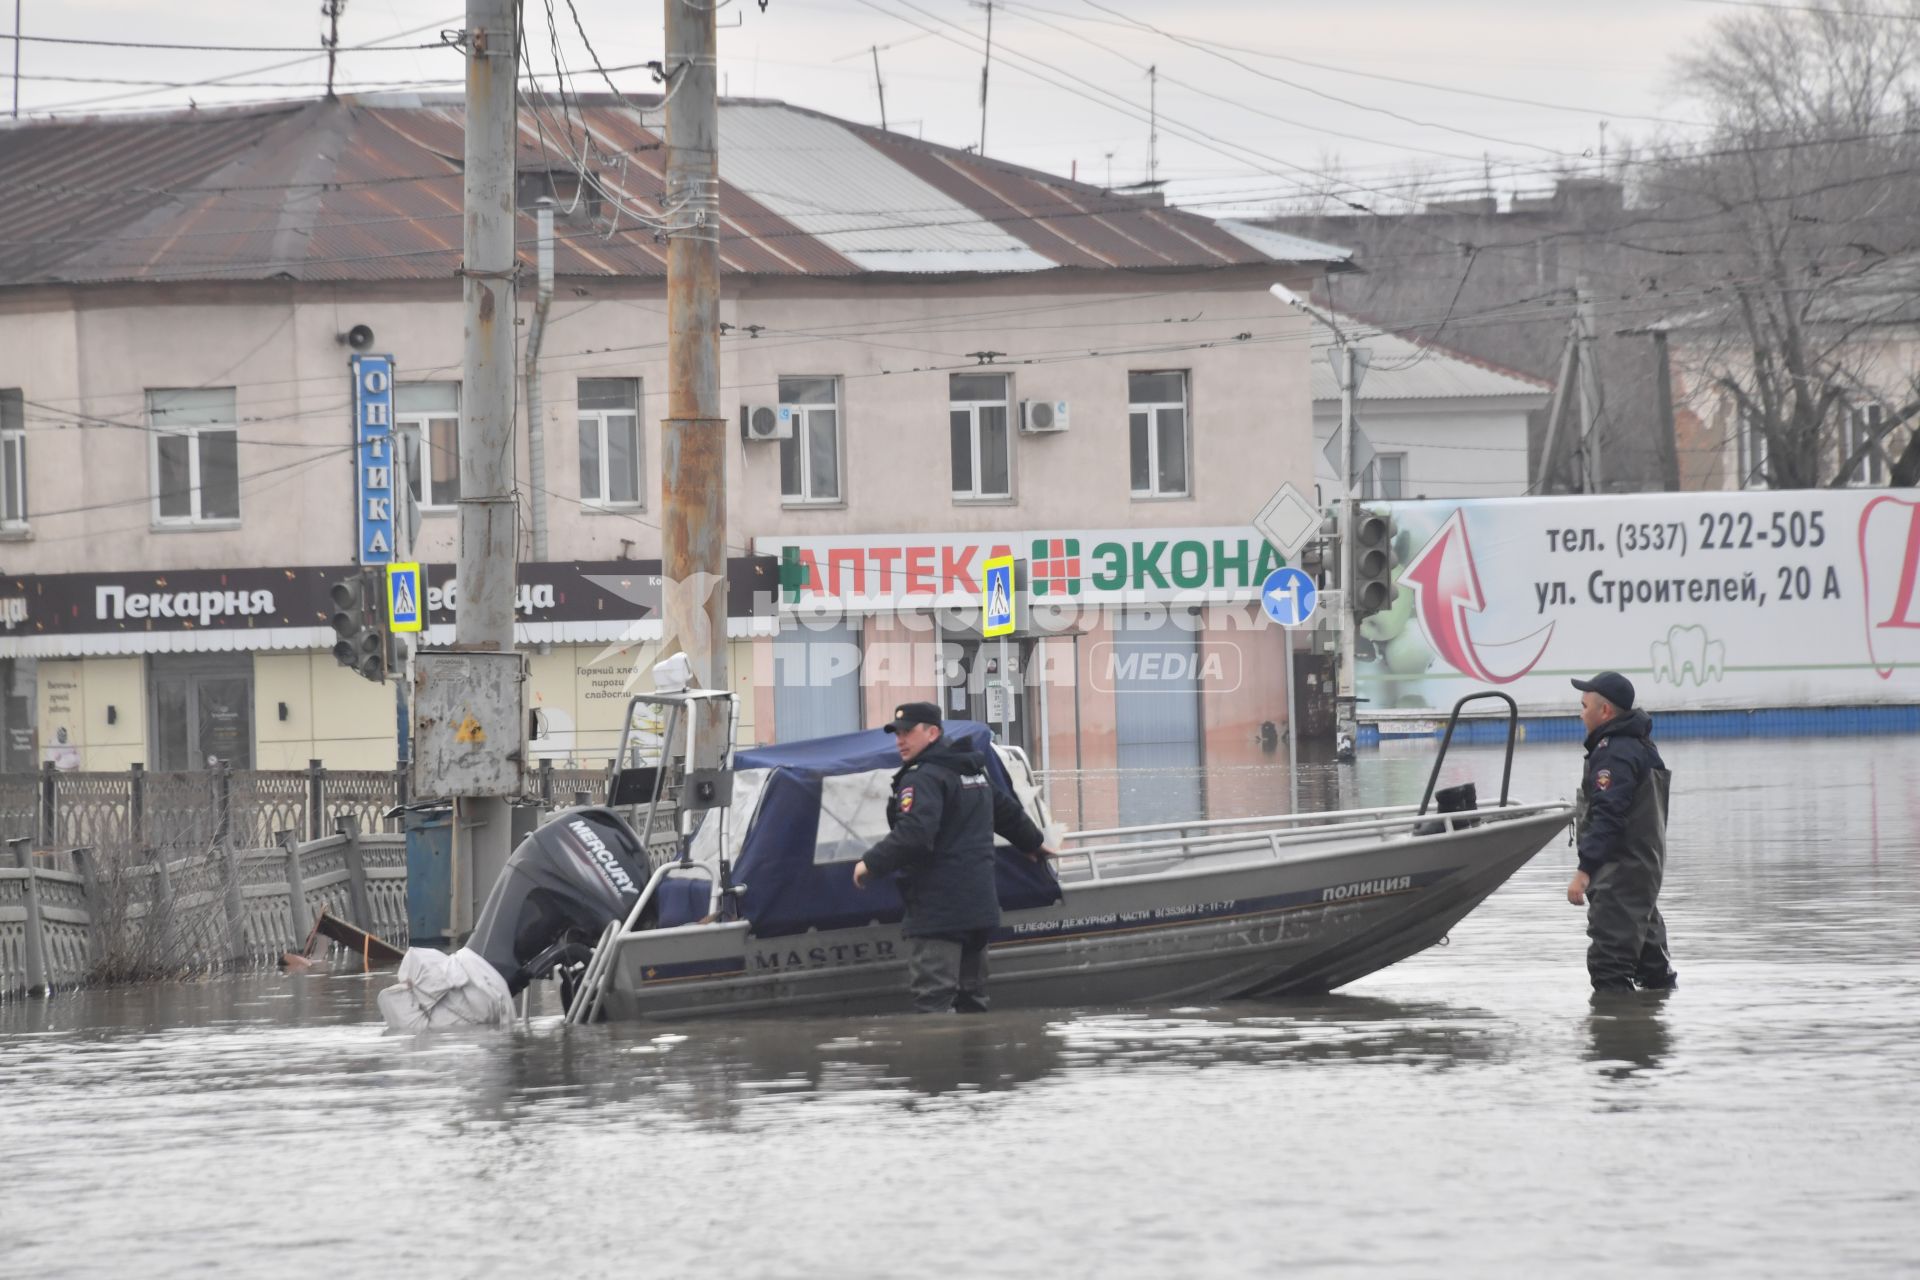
[(561, 888)]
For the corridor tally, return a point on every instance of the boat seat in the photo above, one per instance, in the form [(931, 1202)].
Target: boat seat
[(682, 900)]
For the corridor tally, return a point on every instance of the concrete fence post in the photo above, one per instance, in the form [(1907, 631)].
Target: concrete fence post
[(83, 862), (316, 799), (347, 827), (137, 806), (230, 868), (296, 889), (36, 927), (49, 805)]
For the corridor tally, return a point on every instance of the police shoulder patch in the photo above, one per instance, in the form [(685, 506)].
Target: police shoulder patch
[(906, 799), (1603, 779)]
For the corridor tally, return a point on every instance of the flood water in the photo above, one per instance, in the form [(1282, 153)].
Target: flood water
[(1466, 1112)]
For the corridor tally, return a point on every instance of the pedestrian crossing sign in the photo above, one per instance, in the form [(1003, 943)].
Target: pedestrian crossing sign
[(996, 597), (405, 585)]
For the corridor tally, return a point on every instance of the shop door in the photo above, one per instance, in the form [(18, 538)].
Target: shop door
[(816, 674), (977, 687), (1156, 696), (202, 711)]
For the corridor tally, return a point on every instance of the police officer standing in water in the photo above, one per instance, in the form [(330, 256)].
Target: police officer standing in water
[(943, 817), (1623, 841)]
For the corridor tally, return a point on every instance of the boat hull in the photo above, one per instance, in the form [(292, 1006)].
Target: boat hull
[(1236, 924)]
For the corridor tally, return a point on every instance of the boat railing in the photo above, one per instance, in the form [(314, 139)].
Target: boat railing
[(599, 971), (1279, 839), (1264, 819)]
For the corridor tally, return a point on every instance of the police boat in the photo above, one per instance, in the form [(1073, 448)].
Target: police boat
[(714, 884)]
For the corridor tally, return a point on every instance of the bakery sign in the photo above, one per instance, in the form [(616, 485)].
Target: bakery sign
[(241, 599), (1090, 566)]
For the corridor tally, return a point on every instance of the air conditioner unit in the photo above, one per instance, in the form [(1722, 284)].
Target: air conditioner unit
[(1038, 416), (767, 421)]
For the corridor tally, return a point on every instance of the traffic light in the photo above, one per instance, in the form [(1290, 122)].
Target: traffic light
[(1373, 586), (359, 619), (1321, 557)]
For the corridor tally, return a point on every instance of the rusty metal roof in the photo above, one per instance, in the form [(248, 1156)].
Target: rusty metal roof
[(369, 188)]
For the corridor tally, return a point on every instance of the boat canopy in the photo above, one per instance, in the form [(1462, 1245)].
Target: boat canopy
[(804, 812)]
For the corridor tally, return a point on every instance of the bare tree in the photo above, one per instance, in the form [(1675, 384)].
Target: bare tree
[(1793, 230)]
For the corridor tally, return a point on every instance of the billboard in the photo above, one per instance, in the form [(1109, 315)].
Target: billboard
[(1707, 601)]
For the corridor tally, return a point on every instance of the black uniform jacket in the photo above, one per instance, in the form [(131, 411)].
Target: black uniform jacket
[(943, 815), (1623, 796)]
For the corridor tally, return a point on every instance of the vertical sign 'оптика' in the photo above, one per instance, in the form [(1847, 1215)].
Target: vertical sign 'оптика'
[(373, 456)]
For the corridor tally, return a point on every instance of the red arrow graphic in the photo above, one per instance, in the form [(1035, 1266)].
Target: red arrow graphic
[(1446, 587)]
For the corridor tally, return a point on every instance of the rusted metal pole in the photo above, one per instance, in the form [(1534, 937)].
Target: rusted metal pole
[(693, 475), (488, 532)]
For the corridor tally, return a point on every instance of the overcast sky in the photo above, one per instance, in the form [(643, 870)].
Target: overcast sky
[(1068, 84)]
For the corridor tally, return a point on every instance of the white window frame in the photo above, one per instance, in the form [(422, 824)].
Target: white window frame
[(1750, 452), (1373, 486), (157, 432), (420, 426), (13, 470), (1152, 410), (972, 409), (1862, 421), (802, 441), (601, 418)]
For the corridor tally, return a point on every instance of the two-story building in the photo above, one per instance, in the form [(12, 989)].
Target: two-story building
[(955, 356)]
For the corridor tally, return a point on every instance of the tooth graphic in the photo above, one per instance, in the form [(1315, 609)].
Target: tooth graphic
[(1663, 663), (1689, 651)]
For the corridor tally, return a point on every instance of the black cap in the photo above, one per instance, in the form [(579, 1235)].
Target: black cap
[(908, 714), (1612, 686)]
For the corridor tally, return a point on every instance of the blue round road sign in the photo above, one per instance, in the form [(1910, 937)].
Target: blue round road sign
[(1288, 596)]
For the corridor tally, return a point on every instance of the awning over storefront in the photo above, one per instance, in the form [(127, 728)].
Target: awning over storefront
[(235, 610)]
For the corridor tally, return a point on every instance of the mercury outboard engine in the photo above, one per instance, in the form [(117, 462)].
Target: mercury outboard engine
[(562, 887)]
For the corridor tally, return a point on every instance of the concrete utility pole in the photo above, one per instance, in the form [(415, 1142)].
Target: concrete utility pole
[(488, 533), (1349, 520), (1589, 392), (693, 470), (1669, 447), (536, 401)]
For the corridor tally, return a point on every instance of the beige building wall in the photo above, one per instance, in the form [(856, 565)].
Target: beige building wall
[(93, 354)]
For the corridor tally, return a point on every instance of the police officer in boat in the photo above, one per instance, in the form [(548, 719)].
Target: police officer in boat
[(1623, 841), (943, 816)]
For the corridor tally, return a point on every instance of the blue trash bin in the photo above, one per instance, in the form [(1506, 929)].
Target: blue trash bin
[(429, 875)]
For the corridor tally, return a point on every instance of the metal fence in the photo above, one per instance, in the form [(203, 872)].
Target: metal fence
[(134, 812), (71, 917)]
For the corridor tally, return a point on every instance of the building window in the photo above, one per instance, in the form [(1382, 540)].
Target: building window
[(1863, 426), (982, 445), (610, 470), (1385, 477), (196, 456), (1751, 453), (1157, 422), (13, 460), (810, 462), (426, 418)]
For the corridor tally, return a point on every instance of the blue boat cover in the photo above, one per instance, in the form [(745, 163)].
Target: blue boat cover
[(787, 892)]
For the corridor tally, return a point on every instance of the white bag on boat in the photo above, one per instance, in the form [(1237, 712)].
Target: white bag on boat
[(440, 990)]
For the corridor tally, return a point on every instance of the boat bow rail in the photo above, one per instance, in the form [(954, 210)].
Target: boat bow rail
[(1127, 849)]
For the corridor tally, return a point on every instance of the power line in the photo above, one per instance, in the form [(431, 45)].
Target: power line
[(1830, 11), (238, 75), (223, 48), (1123, 21)]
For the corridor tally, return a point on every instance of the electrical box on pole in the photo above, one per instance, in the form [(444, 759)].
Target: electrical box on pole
[(469, 713)]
